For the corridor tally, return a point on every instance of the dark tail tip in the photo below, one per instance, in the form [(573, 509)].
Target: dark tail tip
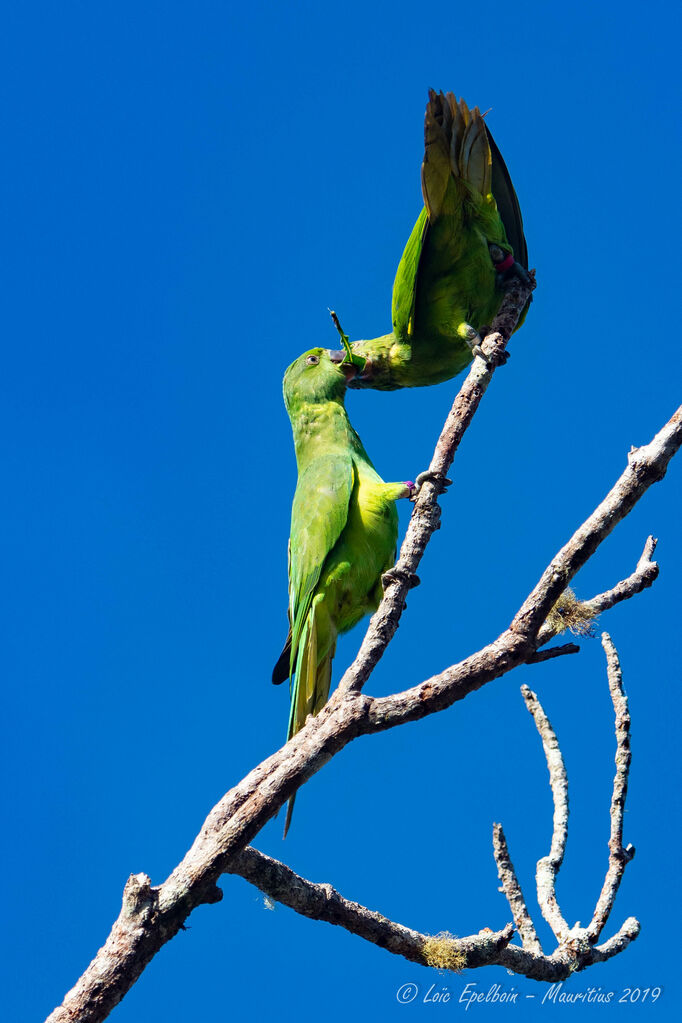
[(290, 810), (280, 673)]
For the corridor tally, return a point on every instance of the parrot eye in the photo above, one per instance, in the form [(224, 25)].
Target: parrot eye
[(313, 360)]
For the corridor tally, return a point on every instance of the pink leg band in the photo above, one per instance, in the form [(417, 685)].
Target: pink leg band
[(505, 264)]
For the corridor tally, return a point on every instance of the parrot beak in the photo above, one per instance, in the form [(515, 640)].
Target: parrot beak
[(348, 369), (366, 371)]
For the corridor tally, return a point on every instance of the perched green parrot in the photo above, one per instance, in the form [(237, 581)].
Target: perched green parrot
[(468, 242), (344, 527)]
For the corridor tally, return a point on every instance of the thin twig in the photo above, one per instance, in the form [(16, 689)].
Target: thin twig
[(645, 575), (548, 867), (620, 940), (619, 857), (512, 890), (554, 651)]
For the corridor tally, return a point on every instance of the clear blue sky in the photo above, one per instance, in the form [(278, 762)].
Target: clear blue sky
[(186, 189)]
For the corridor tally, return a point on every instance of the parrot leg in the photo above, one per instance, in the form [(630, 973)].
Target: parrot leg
[(472, 338)]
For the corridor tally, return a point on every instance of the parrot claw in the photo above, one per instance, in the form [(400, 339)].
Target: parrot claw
[(441, 482), (484, 331), (409, 578)]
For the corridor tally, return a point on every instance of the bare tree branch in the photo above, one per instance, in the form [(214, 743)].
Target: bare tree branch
[(619, 857), (576, 949), (322, 902), (548, 867), (512, 889)]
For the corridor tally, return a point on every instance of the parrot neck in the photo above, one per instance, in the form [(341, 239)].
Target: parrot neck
[(318, 428)]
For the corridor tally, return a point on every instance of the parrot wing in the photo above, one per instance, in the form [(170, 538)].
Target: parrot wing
[(405, 284), (318, 517)]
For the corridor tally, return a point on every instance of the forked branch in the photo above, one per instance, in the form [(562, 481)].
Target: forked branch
[(577, 946)]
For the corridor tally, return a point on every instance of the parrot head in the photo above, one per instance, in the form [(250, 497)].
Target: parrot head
[(316, 376)]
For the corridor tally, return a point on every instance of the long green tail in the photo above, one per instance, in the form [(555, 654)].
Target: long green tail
[(310, 686)]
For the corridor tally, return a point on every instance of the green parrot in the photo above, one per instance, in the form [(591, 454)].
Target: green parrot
[(344, 528), (467, 244)]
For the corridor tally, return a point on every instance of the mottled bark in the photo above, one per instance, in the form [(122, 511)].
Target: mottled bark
[(322, 902)]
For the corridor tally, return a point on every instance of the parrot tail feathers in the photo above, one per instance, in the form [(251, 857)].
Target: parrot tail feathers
[(303, 691), (321, 695), (312, 678), (436, 165), (301, 703), (475, 160), (303, 687), (323, 682), (455, 149)]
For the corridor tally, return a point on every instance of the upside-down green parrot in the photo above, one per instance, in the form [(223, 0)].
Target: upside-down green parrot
[(344, 527), (468, 242)]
